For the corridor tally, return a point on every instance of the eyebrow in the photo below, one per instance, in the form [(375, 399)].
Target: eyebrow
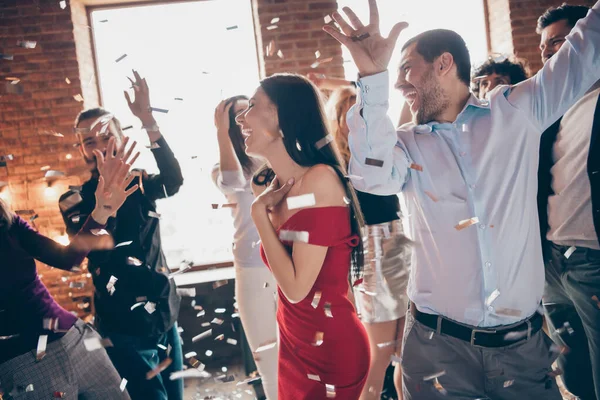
[(87, 140), (401, 67)]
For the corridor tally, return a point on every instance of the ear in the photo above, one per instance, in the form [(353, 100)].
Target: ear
[(444, 64)]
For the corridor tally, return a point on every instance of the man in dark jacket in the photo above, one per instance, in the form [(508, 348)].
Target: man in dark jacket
[(569, 207), (136, 302)]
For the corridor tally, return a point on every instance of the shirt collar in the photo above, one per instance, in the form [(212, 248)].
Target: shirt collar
[(433, 125)]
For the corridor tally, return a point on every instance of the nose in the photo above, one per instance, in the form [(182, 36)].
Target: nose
[(400, 82), (240, 118)]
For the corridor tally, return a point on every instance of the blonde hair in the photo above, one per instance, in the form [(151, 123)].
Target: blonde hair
[(338, 105), (6, 216)]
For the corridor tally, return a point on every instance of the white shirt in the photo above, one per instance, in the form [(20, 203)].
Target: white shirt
[(484, 165), (237, 188), (570, 213)]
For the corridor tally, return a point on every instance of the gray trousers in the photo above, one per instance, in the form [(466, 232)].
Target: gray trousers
[(67, 367), (519, 371), (572, 296)]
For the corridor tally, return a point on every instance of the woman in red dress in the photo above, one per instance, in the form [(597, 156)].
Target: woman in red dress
[(309, 223)]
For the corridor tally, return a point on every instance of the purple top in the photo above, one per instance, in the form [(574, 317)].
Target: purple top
[(24, 300)]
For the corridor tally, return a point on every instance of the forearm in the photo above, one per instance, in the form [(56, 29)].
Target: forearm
[(149, 124), (279, 259)]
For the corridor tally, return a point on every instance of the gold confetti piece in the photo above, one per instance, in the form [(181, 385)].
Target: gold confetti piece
[(570, 251), (196, 364), (509, 312), (492, 297), (373, 162), (316, 299), (318, 340), (266, 346), (159, 368), (41, 348), (431, 196), (438, 386), (218, 284), (110, 286), (466, 223), (327, 308), (302, 201), (226, 205), (313, 377), (416, 167), (121, 58), (8, 337), (186, 292), (123, 384), (201, 336), (434, 376), (133, 261), (150, 307), (153, 214), (279, 53), (293, 236), (508, 383), (68, 81), (330, 391), (217, 321), (231, 341), (220, 337), (387, 344), (78, 98)]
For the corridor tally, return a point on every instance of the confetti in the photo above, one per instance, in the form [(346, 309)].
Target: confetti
[(317, 54), (570, 251), (27, 44), (431, 196), (153, 214), (136, 305), (314, 377), (68, 81), (159, 368), (197, 364), (466, 223), (438, 386), (275, 20), (190, 355), (230, 28), (178, 98), (248, 381), (78, 98), (201, 336), (110, 286), (327, 19), (220, 310), (279, 53), (150, 307), (41, 347), (124, 244), (54, 174), (434, 376), (220, 337), (160, 110), (218, 284), (373, 162), (205, 324), (431, 335), (327, 308), (387, 344), (208, 353), (323, 61), (266, 346), (189, 373), (508, 383), (509, 312), (127, 128), (416, 167), (186, 292), (8, 57), (201, 314), (134, 261), (98, 232), (514, 336), (272, 27), (293, 236), (324, 142), (316, 299), (217, 321), (63, 4), (302, 201), (566, 327), (318, 339), (8, 337), (226, 205), (121, 58), (231, 341), (492, 297), (330, 391), (123, 384)]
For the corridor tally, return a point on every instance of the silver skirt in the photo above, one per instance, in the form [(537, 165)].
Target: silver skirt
[(382, 295)]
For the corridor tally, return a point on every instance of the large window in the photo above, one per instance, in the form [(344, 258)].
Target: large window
[(465, 17), (192, 54)]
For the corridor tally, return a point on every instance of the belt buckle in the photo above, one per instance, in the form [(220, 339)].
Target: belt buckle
[(475, 331)]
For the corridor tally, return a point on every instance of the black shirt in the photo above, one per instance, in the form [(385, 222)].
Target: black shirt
[(378, 209), (140, 267)]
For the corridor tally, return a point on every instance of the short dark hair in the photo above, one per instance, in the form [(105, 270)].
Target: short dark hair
[(98, 112), (432, 44), (515, 70), (565, 11)]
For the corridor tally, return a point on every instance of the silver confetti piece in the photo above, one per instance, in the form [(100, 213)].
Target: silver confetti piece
[(121, 58), (508, 383), (217, 321), (266, 346), (387, 344), (570, 251), (330, 391), (324, 142), (110, 286), (275, 20), (373, 162), (153, 214), (161, 110), (313, 377), (190, 355), (29, 388), (136, 305), (123, 384), (434, 376), (327, 19), (41, 347), (220, 310), (205, 324), (208, 353), (124, 244), (492, 297), (150, 307), (220, 337), (231, 341), (201, 336), (302, 201), (9, 337), (134, 261), (27, 44), (98, 232), (327, 308), (316, 299), (218, 284), (186, 292), (318, 340), (293, 236)]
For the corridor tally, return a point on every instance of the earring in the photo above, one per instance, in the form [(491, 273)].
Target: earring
[(281, 132)]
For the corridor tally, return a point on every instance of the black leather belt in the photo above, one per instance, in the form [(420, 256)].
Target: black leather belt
[(483, 337)]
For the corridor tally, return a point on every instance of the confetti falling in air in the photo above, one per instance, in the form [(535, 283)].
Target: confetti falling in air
[(387, 344), (266, 346), (78, 98), (508, 383), (319, 62), (123, 384), (279, 53), (231, 341), (41, 347), (327, 309), (150, 307), (8, 57), (201, 336), (565, 328), (318, 340), (514, 336), (302, 201), (217, 321), (134, 261), (232, 27), (220, 337), (160, 110), (373, 162), (492, 297), (218, 284), (293, 236), (153, 214), (208, 353), (330, 391), (27, 44), (190, 355), (327, 19), (220, 310), (317, 54), (272, 27), (416, 167), (570, 251), (438, 386), (159, 368), (121, 58), (316, 299), (434, 376), (186, 292), (110, 286), (122, 244), (63, 4), (136, 305), (313, 377), (275, 20), (466, 223), (324, 142)]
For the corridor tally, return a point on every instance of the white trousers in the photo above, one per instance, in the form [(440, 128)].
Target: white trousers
[(257, 305)]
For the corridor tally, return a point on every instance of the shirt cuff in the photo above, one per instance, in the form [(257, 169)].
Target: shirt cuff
[(375, 89), (91, 223)]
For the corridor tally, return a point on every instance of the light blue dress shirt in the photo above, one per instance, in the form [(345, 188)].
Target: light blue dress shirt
[(484, 166)]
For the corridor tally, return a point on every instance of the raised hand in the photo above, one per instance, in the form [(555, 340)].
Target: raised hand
[(140, 106), (370, 51), (116, 157), (222, 117)]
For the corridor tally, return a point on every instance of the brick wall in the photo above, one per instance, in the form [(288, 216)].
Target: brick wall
[(61, 67), (512, 23)]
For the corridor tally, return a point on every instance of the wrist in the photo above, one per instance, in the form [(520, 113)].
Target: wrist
[(258, 209), (147, 120), (100, 216)]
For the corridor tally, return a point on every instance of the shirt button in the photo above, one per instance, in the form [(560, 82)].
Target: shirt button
[(488, 264), (481, 226), (490, 308), (472, 186)]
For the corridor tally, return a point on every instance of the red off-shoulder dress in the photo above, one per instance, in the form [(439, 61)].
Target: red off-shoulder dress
[(323, 347)]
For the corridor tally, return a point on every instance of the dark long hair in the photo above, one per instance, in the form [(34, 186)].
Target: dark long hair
[(237, 140), (302, 120)]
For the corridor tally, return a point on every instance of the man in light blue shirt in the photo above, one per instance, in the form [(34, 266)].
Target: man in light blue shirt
[(468, 170)]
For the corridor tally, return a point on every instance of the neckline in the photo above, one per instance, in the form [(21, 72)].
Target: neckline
[(306, 209)]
